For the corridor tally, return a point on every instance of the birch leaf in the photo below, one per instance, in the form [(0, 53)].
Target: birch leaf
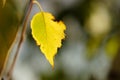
[(47, 34)]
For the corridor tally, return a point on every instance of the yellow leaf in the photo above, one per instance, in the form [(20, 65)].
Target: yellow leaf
[(48, 34)]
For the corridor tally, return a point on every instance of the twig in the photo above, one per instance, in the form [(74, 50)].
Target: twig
[(9, 74)]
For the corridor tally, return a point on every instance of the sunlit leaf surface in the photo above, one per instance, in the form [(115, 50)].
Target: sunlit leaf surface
[(48, 34)]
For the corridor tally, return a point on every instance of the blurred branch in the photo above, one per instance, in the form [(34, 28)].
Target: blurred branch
[(9, 74), (4, 1)]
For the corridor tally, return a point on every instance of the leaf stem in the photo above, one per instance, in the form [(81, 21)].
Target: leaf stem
[(38, 4), (10, 71)]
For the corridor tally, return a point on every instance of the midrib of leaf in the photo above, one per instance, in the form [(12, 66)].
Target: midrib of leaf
[(42, 12), (44, 26)]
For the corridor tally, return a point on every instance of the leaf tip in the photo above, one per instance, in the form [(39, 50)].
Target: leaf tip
[(51, 61)]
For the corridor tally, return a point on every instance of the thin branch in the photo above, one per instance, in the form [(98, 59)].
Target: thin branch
[(9, 74)]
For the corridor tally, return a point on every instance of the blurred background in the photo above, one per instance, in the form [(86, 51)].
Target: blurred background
[(90, 51)]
